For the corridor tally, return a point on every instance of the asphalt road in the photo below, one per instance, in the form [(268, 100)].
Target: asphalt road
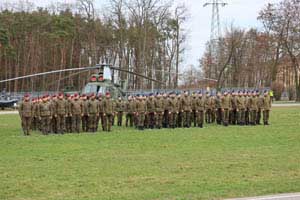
[(291, 196)]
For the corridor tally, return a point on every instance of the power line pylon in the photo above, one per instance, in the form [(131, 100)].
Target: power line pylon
[(215, 33)]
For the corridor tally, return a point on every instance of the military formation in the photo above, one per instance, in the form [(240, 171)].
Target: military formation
[(59, 114)]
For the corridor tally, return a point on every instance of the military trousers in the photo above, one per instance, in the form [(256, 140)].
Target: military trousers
[(258, 116), (54, 125), (253, 115), (213, 115), (233, 116), (226, 117), (266, 115), (34, 123), (172, 119), (166, 119), (194, 117), (84, 120), (26, 125), (101, 119), (179, 119), (129, 119), (208, 117), (107, 121), (151, 120), (92, 122), (141, 120), (120, 118), (76, 120), (241, 116), (247, 116), (68, 124), (219, 116), (186, 118), (159, 119), (45, 124), (200, 118), (61, 123)]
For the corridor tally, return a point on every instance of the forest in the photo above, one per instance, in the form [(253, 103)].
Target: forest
[(142, 36), (148, 37), (260, 58)]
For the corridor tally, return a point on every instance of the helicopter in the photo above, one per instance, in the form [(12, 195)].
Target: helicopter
[(6, 101), (98, 83)]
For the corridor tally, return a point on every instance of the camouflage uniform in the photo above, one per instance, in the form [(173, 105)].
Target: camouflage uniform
[(266, 107), (120, 109), (140, 112), (26, 113), (61, 114), (213, 109), (253, 109), (200, 109), (130, 109), (54, 122), (233, 112), (68, 118), (218, 109), (166, 111), (207, 109), (76, 110), (260, 100), (35, 118), (100, 118), (247, 111), (159, 104), (186, 110), (85, 117), (151, 111), (241, 107), (226, 106), (194, 110), (173, 112), (180, 113), (45, 114), (108, 108), (93, 110)]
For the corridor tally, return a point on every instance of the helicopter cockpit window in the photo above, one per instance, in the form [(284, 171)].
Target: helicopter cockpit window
[(90, 89), (100, 90)]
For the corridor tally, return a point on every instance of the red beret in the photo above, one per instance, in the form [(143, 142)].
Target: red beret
[(26, 95)]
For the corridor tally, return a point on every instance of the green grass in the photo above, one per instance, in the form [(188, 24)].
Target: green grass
[(212, 163)]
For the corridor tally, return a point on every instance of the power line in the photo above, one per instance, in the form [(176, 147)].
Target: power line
[(215, 32)]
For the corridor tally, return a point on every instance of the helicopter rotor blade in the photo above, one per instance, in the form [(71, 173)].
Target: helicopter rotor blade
[(79, 69), (51, 72), (137, 74)]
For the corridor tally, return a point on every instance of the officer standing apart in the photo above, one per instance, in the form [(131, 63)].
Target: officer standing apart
[(25, 112)]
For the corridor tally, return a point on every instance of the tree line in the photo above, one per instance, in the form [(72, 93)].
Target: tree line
[(142, 36), (260, 58)]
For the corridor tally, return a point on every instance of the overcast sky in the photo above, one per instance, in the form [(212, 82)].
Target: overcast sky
[(242, 13)]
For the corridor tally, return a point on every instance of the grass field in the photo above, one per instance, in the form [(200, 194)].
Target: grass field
[(212, 163)]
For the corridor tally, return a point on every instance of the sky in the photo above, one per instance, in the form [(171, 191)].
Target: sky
[(240, 13)]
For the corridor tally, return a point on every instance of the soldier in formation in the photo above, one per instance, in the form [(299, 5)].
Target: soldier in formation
[(74, 114)]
